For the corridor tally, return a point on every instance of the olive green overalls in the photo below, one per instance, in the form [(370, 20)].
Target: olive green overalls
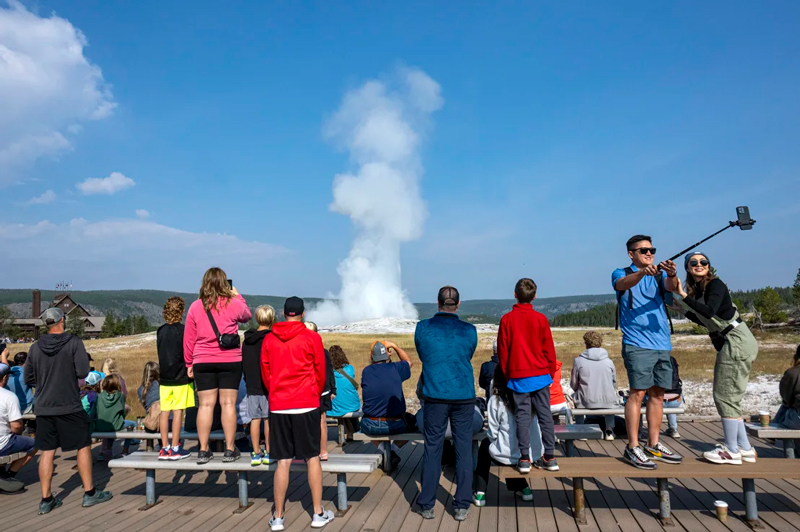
[(734, 360)]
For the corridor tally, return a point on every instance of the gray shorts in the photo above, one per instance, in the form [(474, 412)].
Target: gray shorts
[(647, 367), (257, 406)]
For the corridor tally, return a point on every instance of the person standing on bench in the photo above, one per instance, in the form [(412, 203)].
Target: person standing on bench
[(445, 346), (257, 402), (55, 363), (293, 372), (707, 302), (528, 360), (646, 346), (213, 355)]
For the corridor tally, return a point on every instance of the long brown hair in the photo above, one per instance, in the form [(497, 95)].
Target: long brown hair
[(338, 357), (112, 383), (693, 288), (215, 287), (150, 375)]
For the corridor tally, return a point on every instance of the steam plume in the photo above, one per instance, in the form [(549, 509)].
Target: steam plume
[(380, 124)]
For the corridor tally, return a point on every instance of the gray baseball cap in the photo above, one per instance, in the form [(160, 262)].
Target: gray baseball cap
[(52, 316), (379, 353)]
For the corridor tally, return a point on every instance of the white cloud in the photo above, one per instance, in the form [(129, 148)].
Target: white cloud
[(105, 185), (46, 198), (131, 253), (142, 214), (47, 87)]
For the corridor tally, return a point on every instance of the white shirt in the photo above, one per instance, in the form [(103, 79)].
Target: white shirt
[(9, 411)]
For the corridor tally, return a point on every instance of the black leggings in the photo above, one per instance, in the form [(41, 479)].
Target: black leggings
[(481, 477)]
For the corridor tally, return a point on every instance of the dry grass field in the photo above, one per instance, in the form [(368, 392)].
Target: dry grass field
[(694, 353)]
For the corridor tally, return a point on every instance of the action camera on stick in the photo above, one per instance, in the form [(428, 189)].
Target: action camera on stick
[(743, 222)]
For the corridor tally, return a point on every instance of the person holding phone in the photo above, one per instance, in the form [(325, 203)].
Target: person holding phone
[(213, 356)]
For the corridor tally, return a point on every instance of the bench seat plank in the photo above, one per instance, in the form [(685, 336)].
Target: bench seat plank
[(773, 431), (620, 411), (348, 415), (12, 458), (562, 432), (143, 435)]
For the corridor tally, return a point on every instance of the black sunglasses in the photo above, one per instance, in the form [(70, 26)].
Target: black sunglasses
[(695, 262), (644, 251)]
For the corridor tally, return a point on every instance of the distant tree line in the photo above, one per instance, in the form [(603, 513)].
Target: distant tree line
[(132, 324)]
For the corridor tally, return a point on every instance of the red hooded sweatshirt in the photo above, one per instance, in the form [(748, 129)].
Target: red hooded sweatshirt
[(293, 366), (525, 344)]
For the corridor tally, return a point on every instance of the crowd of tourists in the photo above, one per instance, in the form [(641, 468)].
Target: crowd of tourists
[(282, 382)]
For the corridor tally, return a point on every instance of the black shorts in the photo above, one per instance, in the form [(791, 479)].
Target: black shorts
[(67, 431), (294, 435), (217, 375), (325, 403)]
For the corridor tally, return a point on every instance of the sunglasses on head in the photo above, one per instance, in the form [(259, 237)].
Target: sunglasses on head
[(695, 262), (644, 251)]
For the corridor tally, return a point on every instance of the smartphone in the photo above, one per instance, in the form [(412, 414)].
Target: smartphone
[(230, 283), (743, 218)]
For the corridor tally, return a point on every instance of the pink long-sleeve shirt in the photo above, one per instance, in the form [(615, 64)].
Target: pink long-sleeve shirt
[(200, 344)]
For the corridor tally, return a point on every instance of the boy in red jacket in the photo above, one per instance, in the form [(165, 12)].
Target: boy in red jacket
[(527, 357), (293, 372)]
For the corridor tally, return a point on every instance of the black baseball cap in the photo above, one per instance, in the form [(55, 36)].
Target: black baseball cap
[(294, 306), (448, 296)]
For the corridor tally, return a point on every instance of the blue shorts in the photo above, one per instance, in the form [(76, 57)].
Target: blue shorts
[(647, 367), (17, 444)]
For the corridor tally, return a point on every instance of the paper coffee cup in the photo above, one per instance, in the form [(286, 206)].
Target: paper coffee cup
[(722, 510), (763, 417)]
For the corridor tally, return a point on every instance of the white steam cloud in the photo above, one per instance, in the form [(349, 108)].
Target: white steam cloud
[(381, 125)]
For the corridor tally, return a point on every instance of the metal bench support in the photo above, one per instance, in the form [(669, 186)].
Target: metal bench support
[(341, 494), (789, 448), (580, 501), (664, 508), (342, 432), (244, 503), (750, 504), (569, 446), (149, 490)]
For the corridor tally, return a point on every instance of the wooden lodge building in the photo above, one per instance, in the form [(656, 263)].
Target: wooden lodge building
[(30, 326)]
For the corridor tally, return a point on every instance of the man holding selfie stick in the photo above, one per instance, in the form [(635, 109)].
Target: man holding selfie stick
[(646, 347)]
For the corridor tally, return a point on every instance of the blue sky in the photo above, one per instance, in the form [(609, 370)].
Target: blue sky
[(565, 129)]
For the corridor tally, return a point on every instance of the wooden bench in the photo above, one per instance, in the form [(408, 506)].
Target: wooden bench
[(566, 433), (776, 432), (12, 458), (341, 464), (340, 424), (151, 437), (619, 411), (612, 467)]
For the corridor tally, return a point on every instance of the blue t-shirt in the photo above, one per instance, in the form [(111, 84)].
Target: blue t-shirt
[(382, 389), (16, 384), (530, 384), (645, 325), (346, 399)]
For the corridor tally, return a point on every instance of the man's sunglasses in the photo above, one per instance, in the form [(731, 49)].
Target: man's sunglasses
[(644, 251), (702, 262)]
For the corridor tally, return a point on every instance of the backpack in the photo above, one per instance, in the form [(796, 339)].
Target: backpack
[(677, 383), (661, 292)]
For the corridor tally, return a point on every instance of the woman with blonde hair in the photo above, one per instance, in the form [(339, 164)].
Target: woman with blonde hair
[(213, 355)]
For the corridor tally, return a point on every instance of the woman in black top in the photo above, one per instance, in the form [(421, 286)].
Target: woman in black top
[(789, 413), (707, 302)]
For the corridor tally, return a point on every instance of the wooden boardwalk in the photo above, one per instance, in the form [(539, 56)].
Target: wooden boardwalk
[(380, 503)]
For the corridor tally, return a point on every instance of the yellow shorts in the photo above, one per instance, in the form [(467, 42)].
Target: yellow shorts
[(176, 397)]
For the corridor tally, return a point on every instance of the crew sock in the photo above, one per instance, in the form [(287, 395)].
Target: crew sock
[(730, 431), (742, 440), (47, 499), (91, 492), (548, 456)]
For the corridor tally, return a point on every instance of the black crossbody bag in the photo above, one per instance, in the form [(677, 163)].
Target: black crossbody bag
[(226, 341)]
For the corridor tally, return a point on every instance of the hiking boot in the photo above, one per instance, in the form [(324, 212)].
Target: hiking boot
[(204, 457), (609, 435), (673, 433), (722, 455), (320, 520), (749, 456), (526, 495), (45, 507), (524, 466), (661, 452), (265, 458), (637, 458), (547, 465), (461, 514), (163, 454), (231, 455), (276, 523), (255, 459), (97, 498), (427, 514), (178, 453), (479, 498)]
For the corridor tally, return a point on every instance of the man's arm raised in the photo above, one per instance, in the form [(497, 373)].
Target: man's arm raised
[(629, 281)]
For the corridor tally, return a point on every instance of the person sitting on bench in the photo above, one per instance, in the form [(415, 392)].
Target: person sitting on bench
[(11, 439), (594, 380), (789, 413), (347, 399), (500, 445)]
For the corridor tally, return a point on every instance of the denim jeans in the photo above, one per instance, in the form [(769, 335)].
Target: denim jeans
[(672, 419), (788, 417), (371, 427)]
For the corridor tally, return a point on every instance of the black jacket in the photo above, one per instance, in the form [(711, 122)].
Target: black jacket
[(487, 374), (251, 361), (171, 364), (790, 387), (330, 377), (54, 365)]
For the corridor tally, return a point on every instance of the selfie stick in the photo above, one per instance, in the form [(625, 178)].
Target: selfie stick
[(744, 222)]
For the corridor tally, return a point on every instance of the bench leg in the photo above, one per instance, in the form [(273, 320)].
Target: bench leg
[(580, 501), (664, 508), (789, 448), (149, 446), (244, 503), (387, 457), (342, 433), (341, 494), (569, 445), (149, 490), (750, 504)]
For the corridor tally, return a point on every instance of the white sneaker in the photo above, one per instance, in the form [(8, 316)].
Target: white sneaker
[(609, 436), (276, 523), (318, 521), (749, 456), (722, 455)]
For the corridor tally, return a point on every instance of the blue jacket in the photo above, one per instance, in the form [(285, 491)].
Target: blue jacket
[(445, 345)]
